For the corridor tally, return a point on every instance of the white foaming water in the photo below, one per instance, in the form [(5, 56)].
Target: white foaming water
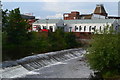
[(12, 72), (28, 64)]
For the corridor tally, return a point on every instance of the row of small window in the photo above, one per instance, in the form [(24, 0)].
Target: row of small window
[(90, 28), (44, 27)]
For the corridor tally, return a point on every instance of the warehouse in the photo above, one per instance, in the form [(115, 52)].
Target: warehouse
[(86, 25)]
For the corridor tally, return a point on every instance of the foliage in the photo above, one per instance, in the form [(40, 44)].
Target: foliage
[(16, 27), (57, 41), (62, 40), (70, 39), (14, 33), (104, 52), (18, 42), (4, 19)]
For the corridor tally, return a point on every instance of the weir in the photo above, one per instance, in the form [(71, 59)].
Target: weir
[(42, 60), (31, 63)]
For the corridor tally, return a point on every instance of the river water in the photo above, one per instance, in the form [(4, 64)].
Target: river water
[(61, 64)]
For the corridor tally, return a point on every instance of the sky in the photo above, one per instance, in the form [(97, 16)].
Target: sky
[(56, 8), (60, 0)]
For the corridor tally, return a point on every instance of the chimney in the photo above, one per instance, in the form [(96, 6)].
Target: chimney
[(100, 10)]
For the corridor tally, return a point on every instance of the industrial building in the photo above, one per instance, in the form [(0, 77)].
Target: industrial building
[(80, 24)]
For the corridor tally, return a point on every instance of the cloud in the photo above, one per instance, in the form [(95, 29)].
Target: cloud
[(58, 16), (58, 7)]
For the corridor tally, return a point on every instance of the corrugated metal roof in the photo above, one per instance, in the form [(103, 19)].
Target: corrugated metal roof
[(44, 21), (89, 21)]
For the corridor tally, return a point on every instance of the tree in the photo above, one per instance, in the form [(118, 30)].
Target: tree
[(16, 27), (4, 19), (70, 39), (104, 53), (57, 41), (14, 34)]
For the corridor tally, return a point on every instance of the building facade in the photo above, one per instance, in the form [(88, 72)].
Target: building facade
[(89, 25), (79, 23), (99, 13), (50, 24), (83, 29), (71, 16)]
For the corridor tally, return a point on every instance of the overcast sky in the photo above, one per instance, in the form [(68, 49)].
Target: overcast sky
[(56, 8), (60, 0)]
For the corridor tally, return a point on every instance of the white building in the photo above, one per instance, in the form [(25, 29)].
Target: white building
[(86, 25), (89, 25), (50, 24), (96, 16)]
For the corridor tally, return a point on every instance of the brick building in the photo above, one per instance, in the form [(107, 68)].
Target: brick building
[(99, 13), (100, 10), (30, 19), (83, 25), (71, 16)]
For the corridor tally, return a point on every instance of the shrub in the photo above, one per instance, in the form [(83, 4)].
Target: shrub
[(104, 53)]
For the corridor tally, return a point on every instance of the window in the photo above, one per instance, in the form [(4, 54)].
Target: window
[(51, 28), (44, 27), (90, 28), (80, 28), (66, 15), (70, 29), (76, 28), (94, 28), (116, 27), (39, 28), (100, 29), (104, 28), (84, 28)]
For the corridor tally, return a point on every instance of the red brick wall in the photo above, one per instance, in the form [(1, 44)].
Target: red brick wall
[(72, 15)]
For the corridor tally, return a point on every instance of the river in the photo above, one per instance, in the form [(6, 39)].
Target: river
[(69, 63)]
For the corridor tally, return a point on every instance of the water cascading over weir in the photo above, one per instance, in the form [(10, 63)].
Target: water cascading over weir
[(42, 60), (29, 64)]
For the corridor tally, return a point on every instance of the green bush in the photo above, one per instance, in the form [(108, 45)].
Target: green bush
[(104, 53), (37, 43)]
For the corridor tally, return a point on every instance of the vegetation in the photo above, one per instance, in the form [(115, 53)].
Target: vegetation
[(104, 53), (14, 33), (18, 42)]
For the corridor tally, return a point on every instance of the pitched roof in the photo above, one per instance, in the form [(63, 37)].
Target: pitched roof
[(100, 9), (44, 21), (89, 21)]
